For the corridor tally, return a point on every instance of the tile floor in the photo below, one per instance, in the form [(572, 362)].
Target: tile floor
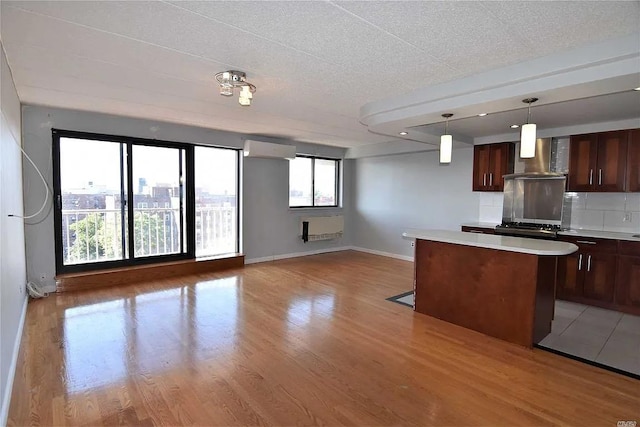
[(604, 336)]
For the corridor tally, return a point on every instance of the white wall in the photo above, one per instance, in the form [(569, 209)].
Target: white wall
[(393, 193), (12, 254), (270, 227)]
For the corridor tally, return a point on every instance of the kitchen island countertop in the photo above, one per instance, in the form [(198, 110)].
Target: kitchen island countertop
[(489, 241)]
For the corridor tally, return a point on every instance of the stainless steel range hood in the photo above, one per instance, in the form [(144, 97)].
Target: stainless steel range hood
[(552, 156)]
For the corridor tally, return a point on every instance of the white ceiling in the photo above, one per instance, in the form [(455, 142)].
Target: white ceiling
[(315, 63)]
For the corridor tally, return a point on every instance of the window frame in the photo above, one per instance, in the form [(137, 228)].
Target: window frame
[(313, 183), (188, 212)]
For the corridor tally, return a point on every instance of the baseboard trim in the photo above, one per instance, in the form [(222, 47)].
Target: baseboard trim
[(295, 255), (381, 253), (327, 250), (6, 400)]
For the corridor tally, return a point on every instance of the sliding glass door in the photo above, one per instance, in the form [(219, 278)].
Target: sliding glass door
[(123, 201), (92, 218), (158, 201)]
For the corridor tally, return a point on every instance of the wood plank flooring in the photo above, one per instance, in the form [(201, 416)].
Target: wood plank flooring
[(301, 341)]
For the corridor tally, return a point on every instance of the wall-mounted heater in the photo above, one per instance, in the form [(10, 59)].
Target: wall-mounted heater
[(321, 227), (269, 150)]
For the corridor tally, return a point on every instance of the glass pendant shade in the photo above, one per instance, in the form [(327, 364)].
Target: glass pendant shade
[(445, 148), (528, 141)]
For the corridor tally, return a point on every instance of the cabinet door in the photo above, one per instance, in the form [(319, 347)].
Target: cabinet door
[(633, 161), (481, 160), (570, 276), (599, 276), (501, 163), (628, 282), (612, 161), (583, 153)]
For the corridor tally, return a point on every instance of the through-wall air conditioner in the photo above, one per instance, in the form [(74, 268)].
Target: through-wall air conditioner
[(269, 150)]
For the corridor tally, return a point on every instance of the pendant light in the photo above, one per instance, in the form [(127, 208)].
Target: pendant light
[(528, 135), (446, 141)]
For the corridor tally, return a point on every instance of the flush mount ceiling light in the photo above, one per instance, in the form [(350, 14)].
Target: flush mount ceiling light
[(638, 88), (528, 135), (515, 126), (482, 114), (446, 141), (403, 133), (229, 80)]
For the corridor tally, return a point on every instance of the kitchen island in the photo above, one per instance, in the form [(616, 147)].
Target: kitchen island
[(498, 285)]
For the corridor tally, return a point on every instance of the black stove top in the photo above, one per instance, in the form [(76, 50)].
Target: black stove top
[(526, 229)]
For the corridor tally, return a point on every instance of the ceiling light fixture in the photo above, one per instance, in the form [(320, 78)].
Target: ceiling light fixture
[(446, 141), (403, 133), (230, 80), (515, 126), (638, 88), (482, 114), (528, 135)]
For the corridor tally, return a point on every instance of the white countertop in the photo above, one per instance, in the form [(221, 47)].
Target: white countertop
[(491, 241), (599, 234)]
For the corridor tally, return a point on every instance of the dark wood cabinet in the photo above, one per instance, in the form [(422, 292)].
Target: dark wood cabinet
[(599, 276), (603, 272), (633, 161), (490, 163), (598, 161), (570, 278), (628, 279), (589, 273)]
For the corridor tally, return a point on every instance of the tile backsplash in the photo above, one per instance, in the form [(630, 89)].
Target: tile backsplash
[(606, 211), (591, 211)]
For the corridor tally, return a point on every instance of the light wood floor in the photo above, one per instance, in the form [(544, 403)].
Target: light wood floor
[(301, 341)]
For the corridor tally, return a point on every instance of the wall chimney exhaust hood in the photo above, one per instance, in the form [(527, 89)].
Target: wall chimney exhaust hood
[(551, 156)]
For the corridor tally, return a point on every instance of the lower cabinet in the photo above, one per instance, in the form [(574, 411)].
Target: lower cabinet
[(628, 278), (600, 274)]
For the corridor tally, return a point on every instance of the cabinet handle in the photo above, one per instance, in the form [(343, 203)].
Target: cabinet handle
[(484, 179), (589, 263), (590, 176), (490, 179), (580, 262), (599, 176), (587, 242)]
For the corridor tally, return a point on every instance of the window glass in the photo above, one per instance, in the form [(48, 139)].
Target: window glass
[(216, 182), (300, 182), (325, 183), (313, 182)]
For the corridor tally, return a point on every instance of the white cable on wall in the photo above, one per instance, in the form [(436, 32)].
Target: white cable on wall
[(46, 187)]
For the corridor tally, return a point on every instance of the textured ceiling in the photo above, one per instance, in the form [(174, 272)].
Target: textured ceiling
[(314, 63)]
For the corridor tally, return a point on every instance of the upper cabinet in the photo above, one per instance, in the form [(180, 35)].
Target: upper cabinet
[(598, 161), (633, 161), (490, 163)]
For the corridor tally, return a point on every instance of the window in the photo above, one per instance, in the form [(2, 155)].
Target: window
[(104, 188), (313, 182)]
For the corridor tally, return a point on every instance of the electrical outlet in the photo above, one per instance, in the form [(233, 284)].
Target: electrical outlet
[(627, 217), (413, 243)]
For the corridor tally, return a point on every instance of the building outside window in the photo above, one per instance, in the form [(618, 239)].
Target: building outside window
[(313, 182)]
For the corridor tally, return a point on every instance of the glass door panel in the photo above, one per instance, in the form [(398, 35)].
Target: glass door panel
[(216, 185), (158, 201), (91, 194)]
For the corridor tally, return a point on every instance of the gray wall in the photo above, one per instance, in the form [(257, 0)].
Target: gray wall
[(12, 255), (393, 193), (270, 227)]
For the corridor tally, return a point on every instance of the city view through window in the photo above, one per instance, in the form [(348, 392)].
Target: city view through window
[(93, 202), (313, 182)]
